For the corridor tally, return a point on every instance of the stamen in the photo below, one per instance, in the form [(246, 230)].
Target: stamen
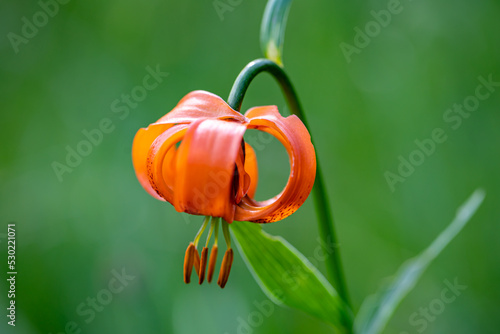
[(225, 268), (188, 262), (227, 261), (203, 264), (225, 229), (196, 256), (196, 261), (212, 262), (204, 251), (213, 253), (216, 229), (212, 224), (200, 232)]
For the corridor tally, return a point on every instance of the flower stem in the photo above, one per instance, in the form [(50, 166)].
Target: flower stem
[(325, 218)]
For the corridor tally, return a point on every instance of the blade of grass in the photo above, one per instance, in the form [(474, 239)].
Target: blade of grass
[(376, 310)]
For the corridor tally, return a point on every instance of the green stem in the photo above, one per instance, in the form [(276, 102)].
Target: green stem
[(325, 218)]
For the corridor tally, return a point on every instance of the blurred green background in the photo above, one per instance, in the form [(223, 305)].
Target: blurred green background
[(75, 234)]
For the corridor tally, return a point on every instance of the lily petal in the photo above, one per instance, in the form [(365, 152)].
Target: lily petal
[(292, 133), (251, 169), (194, 106), (205, 168), (140, 150), (160, 161), (200, 105)]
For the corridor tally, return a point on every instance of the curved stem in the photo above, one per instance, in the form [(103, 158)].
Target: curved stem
[(325, 218)]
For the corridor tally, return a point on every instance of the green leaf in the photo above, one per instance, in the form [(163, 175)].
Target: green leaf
[(287, 277), (272, 30), (378, 309)]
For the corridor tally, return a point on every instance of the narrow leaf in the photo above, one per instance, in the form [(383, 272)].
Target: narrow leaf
[(287, 277), (378, 309), (272, 31)]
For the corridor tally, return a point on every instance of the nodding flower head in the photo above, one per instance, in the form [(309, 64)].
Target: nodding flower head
[(195, 158)]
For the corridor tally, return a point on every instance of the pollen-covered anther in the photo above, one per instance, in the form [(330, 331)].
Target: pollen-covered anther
[(196, 261), (188, 262), (225, 268), (212, 262), (203, 264)]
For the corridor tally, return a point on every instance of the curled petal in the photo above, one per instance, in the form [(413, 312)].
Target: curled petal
[(242, 181), (200, 105), (160, 161), (205, 168), (143, 140), (251, 170), (294, 136)]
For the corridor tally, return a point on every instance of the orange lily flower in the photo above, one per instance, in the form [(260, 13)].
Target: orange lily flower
[(195, 158)]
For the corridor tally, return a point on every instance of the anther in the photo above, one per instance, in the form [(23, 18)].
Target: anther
[(188, 262), (203, 264), (225, 268), (212, 262), (196, 261)]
